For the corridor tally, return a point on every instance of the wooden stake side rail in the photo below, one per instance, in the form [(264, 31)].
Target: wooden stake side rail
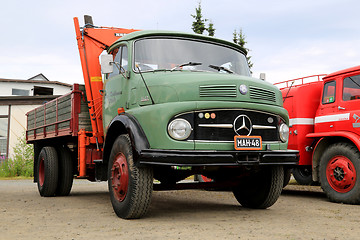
[(63, 116)]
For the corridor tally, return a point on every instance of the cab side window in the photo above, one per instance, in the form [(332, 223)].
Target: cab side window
[(124, 58), (117, 54), (329, 92), (351, 88), (121, 61)]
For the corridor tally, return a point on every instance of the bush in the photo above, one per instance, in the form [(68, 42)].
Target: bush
[(21, 163)]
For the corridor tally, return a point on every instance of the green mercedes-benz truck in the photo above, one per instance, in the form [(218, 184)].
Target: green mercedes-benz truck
[(172, 105)]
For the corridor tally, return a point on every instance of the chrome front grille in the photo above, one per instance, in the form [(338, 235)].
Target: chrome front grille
[(262, 94), (217, 91), (214, 125)]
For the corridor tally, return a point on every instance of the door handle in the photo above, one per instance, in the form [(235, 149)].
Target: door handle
[(341, 108)]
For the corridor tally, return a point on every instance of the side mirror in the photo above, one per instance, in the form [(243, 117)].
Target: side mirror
[(263, 76), (106, 63)]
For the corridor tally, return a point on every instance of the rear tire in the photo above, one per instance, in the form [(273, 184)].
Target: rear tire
[(303, 175), (339, 173), (47, 170), (130, 186), (66, 175), (261, 190)]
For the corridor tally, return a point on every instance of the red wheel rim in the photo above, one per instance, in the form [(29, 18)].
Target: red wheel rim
[(341, 174), (119, 177), (41, 172)]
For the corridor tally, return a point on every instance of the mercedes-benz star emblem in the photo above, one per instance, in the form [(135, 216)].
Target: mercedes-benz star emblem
[(242, 125)]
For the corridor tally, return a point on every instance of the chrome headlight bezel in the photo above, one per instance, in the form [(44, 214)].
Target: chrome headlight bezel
[(284, 132), (179, 129)]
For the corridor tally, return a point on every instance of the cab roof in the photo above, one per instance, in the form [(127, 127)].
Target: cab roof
[(348, 70), (158, 33)]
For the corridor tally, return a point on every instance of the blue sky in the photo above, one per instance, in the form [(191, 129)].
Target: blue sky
[(287, 39)]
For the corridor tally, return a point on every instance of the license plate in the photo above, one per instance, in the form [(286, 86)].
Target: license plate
[(248, 142)]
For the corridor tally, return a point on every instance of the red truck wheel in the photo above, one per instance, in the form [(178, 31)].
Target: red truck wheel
[(261, 190), (339, 166), (130, 186), (47, 170), (119, 177)]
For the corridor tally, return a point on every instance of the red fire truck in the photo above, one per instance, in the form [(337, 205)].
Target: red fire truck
[(325, 128)]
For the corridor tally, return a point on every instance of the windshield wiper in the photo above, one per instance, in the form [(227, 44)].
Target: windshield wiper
[(221, 68), (186, 64)]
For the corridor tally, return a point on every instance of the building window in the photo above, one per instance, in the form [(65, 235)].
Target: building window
[(43, 91), (3, 137), (20, 92)]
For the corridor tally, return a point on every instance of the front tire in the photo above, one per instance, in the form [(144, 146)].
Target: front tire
[(339, 169), (287, 176), (261, 190), (130, 186), (47, 170)]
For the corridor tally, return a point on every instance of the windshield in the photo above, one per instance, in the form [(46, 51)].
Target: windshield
[(156, 54)]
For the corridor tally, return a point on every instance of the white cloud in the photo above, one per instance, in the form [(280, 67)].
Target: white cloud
[(308, 58)]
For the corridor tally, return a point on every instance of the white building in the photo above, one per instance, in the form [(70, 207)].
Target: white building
[(17, 97)]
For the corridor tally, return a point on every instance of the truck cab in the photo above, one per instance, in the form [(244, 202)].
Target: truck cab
[(339, 108), (188, 101), (186, 91), (324, 117)]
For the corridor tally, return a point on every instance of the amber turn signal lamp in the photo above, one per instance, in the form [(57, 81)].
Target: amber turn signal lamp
[(121, 110)]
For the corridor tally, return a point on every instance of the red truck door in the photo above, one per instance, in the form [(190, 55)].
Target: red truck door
[(327, 113), (349, 103)]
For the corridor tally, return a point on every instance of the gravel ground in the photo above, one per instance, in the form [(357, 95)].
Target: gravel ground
[(300, 213)]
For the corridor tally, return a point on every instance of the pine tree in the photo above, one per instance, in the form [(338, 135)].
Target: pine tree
[(211, 29), (235, 37), (239, 38), (198, 26)]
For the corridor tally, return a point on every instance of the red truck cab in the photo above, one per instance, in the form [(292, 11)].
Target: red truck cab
[(325, 128)]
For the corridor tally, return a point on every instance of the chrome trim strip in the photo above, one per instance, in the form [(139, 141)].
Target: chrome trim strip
[(217, 125), (231, 126), (263, 127)]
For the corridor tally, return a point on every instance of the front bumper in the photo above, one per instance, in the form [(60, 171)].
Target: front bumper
[(218, 158)]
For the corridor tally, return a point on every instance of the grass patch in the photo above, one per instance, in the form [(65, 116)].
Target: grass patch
[(21, 163), (16, 178)]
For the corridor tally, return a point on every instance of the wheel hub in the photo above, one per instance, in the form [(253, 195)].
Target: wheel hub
[(341, 174), (120, 177)]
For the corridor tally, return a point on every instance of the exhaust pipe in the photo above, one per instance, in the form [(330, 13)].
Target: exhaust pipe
[(88, 21)]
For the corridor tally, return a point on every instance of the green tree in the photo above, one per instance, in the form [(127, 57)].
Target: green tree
[(211, 29), (239, 38), (198, 26)]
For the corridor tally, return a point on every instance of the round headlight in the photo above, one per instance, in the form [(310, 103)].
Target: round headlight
[(284, 132), (179, 129)]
